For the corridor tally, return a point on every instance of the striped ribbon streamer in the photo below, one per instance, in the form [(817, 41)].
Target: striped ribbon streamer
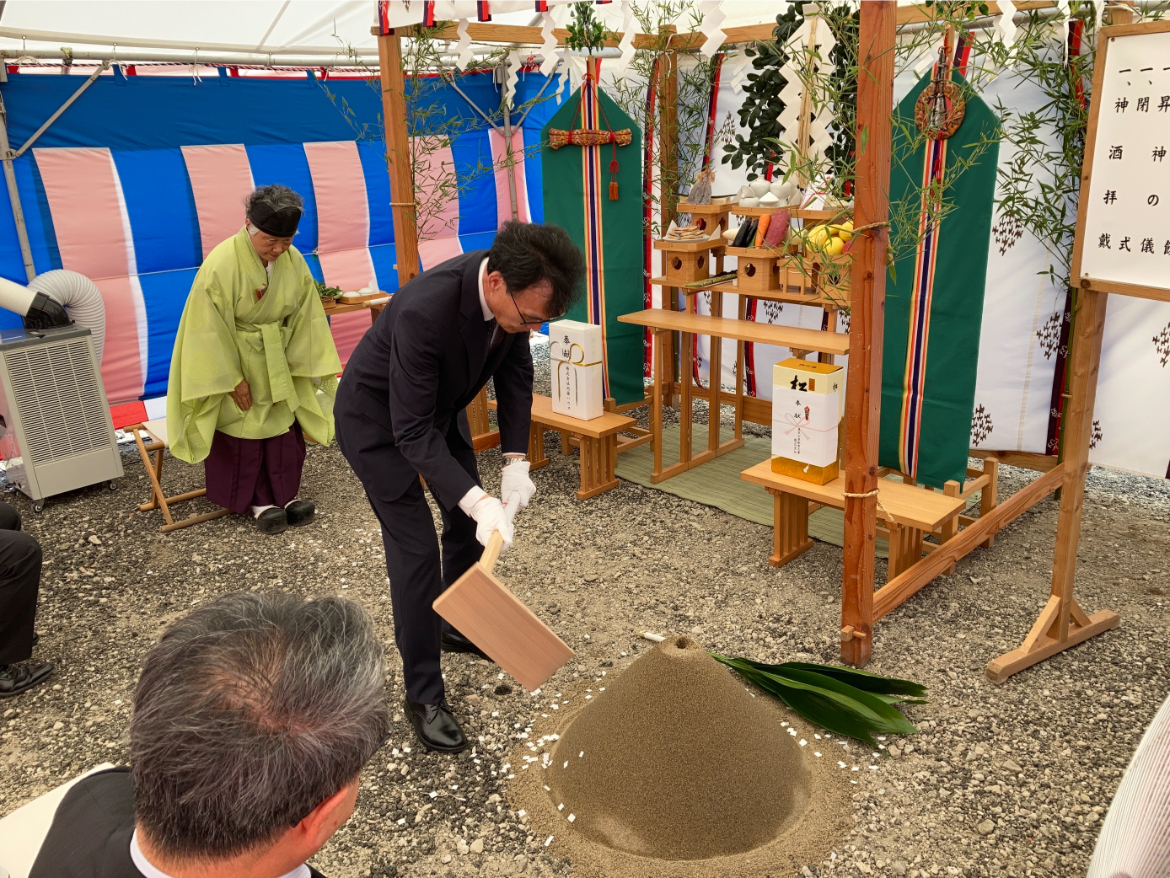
[(929, 230), (594, 238)]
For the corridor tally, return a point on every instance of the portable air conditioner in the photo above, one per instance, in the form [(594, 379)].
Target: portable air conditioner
[(58, 435)]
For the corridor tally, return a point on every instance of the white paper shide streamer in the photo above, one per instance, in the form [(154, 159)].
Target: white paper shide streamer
[(793, 90), (548, 46), (713, 17), (740, 69), (515, 62), (820, 138), (626, 46), (1005, 27), (463, 47)]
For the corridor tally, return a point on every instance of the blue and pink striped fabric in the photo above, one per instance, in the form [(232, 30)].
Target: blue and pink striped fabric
[(137, 209)]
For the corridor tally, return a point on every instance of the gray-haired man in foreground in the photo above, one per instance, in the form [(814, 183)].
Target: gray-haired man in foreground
[(253, 718)]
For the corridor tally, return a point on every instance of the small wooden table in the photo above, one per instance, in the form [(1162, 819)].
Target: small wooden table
[(374, 305), (598, 441), (908, 511)]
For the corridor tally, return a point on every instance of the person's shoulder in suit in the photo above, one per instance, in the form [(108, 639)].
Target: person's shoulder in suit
[(441, 287), (91, 831)]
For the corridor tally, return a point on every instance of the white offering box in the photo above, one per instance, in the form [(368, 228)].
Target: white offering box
[(574, 341), (578, 389), (804, 426)]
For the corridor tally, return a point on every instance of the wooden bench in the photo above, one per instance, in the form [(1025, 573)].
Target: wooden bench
[(156, 443), (597, 440), (909, 513)]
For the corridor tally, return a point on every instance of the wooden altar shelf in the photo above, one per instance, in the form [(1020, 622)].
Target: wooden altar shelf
[(801, 293), (816, 217), (740, 330), (597, 439)]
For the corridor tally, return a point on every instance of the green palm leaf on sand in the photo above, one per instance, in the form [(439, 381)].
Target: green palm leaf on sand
[(849, 702)]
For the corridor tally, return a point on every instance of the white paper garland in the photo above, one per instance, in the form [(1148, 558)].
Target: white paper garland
[(548, 48), (1005, 26), (463, 48), (626, 46), (742, 66), (713, 17), (515, 62)]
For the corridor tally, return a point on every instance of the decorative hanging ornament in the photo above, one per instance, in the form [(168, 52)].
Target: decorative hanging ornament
[(940, 108), (585, 136)]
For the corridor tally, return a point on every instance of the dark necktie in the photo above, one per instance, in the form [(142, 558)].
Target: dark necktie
[(495, 336)]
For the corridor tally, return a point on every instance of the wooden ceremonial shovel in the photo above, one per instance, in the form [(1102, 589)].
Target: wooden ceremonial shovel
[(495, 620)]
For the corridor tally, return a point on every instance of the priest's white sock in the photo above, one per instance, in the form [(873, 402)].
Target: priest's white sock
[(257, 511)]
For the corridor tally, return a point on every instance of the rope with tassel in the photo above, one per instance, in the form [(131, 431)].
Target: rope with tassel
[(558, 137)]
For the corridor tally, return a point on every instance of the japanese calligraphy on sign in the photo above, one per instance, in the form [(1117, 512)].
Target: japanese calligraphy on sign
[(1126, 230)]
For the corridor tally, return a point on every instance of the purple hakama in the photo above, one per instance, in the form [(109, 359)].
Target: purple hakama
[(242, 473)]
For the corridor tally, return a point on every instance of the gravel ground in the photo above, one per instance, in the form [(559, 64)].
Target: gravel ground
[(1002, 780)]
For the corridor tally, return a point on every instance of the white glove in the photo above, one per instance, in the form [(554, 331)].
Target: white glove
[(490, 516), (515, 486)]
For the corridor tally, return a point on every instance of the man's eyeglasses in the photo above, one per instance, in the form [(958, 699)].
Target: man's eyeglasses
[(531, 321)]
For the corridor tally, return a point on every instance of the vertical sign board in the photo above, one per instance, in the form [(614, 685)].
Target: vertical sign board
[(1123, 240)]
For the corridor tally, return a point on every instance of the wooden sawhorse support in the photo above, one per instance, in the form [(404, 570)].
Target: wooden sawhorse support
[(597, 440), (156, 432)]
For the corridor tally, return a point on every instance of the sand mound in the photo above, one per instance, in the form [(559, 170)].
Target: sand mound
[(680, 761)]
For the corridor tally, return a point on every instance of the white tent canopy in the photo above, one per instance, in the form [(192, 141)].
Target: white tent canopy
[(269, 31)]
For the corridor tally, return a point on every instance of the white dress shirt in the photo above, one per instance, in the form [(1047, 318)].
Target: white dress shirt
[(148, 869)]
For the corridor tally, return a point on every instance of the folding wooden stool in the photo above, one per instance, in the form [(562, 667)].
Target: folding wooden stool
[(156, 432)]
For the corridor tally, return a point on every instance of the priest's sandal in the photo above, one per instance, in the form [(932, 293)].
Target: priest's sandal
[(17, 678), (436, 727), (301, 512), (272, 521)]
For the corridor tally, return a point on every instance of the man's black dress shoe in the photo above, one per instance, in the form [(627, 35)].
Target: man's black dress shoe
[(436, 727), (301, 512), (272, 521), (16, 678), (453, 641)]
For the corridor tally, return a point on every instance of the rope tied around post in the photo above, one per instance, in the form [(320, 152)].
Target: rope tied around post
[(876, 499)]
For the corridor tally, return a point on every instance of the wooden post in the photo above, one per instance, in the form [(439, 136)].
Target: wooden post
[(1062, 623), (398, 156), (875, 103)]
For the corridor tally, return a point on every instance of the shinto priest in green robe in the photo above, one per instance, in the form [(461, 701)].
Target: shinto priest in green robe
[(254, 368)]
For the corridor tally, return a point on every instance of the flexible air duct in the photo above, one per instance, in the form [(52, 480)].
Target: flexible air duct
[(81, 299)]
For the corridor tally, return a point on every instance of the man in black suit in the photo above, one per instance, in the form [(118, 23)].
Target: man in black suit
[(253, 717), (400, 415), (20, 582)]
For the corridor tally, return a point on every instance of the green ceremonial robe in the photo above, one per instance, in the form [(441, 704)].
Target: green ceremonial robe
[(280, 343)]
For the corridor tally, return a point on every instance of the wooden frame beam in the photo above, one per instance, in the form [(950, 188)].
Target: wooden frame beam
[(523, 35), (875, 97)]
